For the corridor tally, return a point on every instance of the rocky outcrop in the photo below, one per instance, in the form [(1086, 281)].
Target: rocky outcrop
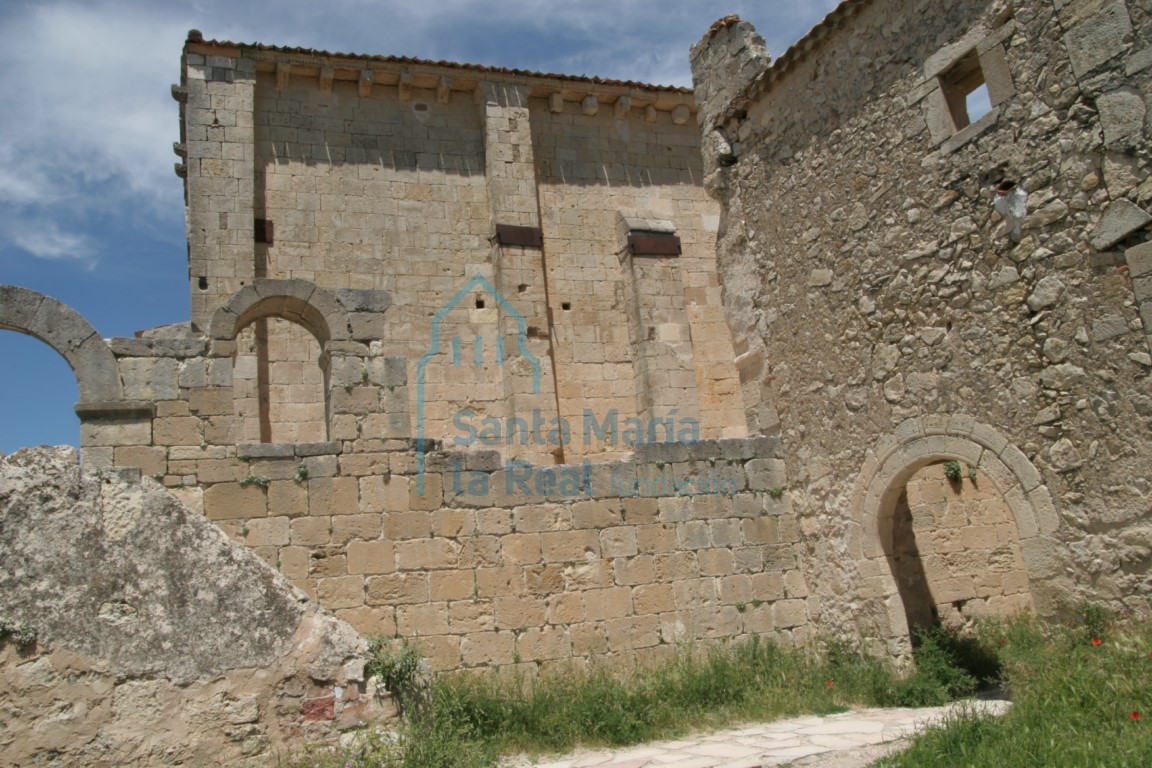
[(137, 634)]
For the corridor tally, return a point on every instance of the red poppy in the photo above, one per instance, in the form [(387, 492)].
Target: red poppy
[(1096, 641), (829, 683), (1135, 715)]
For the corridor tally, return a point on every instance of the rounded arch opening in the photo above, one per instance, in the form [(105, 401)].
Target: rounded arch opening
[(280, 383), (952, 546), (277, 332), (38, 396), (910, 501)]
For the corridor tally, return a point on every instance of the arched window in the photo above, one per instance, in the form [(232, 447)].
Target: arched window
[(279, 382)]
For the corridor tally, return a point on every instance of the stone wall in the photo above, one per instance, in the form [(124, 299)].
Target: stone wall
[(886, 317), (486, 559), (506, 563), (395, 178), (425, 294), (156, 640), (390, 261)]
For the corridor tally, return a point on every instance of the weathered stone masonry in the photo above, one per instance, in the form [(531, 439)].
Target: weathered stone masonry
[(436, 245), (883, 317), (155, 640), (385, 252)]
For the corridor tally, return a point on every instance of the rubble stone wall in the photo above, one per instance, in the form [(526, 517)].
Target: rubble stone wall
[(887, 319)]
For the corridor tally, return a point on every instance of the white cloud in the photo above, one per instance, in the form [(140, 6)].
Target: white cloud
[(87, 105), (45, 240)]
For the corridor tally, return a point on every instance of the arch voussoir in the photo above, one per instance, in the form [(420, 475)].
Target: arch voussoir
[(916, 443), (66, 331), (299, 301)]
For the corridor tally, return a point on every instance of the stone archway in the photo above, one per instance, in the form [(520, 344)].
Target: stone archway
[(300, 301), (66, 331), (919, 443), (280, 334)]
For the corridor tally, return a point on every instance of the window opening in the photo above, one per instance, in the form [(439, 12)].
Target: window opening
[(966, 91)]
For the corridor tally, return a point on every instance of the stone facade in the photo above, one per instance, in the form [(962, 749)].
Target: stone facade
[(393, 183), (475, 358), (885, 318), (389, 262)]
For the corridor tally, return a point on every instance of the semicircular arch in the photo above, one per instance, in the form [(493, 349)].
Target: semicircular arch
[(919, 442), (299, 301), (66, 331)]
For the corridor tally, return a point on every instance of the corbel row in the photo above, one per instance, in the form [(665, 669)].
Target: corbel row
[(589, 105)]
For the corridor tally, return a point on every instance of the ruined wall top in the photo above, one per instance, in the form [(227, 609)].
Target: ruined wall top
[(733, 53)]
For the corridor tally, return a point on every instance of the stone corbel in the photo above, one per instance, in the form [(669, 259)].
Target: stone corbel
[(327, 75), (367, 76), (405, 86), (444, 90), (283, 75)]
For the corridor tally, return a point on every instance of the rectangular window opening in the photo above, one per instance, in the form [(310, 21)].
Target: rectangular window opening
[(966, 91), (646, 243)]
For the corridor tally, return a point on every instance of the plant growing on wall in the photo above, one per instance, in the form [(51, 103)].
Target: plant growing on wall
[(396, 664), (19, 632)]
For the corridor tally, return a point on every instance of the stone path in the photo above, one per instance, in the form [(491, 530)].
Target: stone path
[(846, 740)]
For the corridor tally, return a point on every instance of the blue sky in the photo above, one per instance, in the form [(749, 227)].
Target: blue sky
[(90, 209)]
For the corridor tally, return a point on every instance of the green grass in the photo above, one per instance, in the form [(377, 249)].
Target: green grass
[(468, 719), (1073, 701)]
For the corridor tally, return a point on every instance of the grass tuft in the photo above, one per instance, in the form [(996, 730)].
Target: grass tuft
[(471, 718), (1082, 696)]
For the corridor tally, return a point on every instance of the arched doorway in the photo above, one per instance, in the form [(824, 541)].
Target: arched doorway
[(938, 544), (953, 548)]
